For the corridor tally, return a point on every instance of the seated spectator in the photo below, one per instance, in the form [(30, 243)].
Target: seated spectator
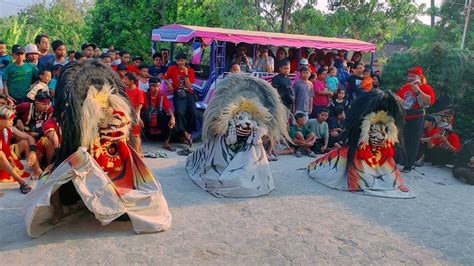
[(49, 143), (321, 93), (264, 62), (443, 146), (464, 163), (11, 168), (32, 54), (320, 127), (41, 85), (303, 138), (367, 81), (282, 83), (32, 115), (331, 81), (337, 128), (157, 115), (304, 93), (241, 58), (235, 68), (157, 69), (429, 131), (339, 100), (143, 78)]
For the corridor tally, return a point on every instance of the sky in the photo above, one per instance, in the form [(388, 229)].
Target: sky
[(11, 7)]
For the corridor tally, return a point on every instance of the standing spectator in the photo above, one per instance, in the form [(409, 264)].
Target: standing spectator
[(320, 127), (137, 61), (337, 128), (157, 69), (182, 77), (302, 136), (56, 72), (122, 70), (280, 57), (355, 81), (339, 101), (80, 57), (444, 146), (166, 57), (97, 53), (355, 60), (32, 54), (321, 93), (125, 59), (368, 82), (71, 55), (312, 62), (5, 60), (106, 59), (264, 62), (41, 85), (18, 77), (282, 83), (42, 42), (331, 81), (158, 117), (293, 56), (136, 99), (116, 60), (59, 50), (143, 78), (303, 92), (88, 49), (241, 58), (416, 95)]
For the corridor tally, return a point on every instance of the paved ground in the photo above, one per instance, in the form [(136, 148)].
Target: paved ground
[(301, 222)]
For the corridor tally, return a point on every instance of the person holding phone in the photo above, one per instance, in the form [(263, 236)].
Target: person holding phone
[(416, 96)]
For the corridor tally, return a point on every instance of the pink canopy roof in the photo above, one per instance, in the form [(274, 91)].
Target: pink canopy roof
[(185, 33)]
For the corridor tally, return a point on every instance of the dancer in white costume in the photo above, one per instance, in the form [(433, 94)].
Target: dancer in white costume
[(232, 161), (95, 164)]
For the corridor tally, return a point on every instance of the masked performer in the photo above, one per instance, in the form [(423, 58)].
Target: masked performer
[(95, 164), (366, 165), (232, 161)]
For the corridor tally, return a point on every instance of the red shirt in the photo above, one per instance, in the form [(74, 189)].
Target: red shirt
[(177, 76), (130, 68), (452, 138), (51, 125), (410, 101), (135, 96), (156, 101), (25, 111), (320, 100), (433, 131)]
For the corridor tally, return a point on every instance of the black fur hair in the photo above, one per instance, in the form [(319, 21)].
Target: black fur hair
[(71, 91), (376, 100)]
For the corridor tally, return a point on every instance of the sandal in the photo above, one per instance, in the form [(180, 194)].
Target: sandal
[(25, 188), (170, 148), (184, 152)]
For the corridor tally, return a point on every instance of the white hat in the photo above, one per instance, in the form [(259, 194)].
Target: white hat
[(304, 61), (31, 49)]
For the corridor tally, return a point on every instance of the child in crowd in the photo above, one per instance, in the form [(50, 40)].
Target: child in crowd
[(137, 100), (235, 68), (337, 128), (331, 81), (302, 136), (303, 92), (367, 81), (122, 70), (41, 85), (339, 100), (143, 78), (319, 126), (282, 83), (56, 72), (5, 59)]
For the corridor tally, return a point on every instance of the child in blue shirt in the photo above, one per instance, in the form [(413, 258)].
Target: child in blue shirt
[(331, 81), (5, 60)]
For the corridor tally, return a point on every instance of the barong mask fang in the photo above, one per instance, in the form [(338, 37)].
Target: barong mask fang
[(378, 129)]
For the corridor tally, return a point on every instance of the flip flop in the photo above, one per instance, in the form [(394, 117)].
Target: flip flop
[(25, 188)]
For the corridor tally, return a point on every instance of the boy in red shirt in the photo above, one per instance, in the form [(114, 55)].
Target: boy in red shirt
[(136, 99)]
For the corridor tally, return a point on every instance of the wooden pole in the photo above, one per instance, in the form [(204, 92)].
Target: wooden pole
[(468, 21)]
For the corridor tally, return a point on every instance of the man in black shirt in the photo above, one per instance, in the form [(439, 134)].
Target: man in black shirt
[(282, 83)]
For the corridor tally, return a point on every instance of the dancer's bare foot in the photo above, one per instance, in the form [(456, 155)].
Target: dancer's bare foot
[(57, 218), (404, 188)]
